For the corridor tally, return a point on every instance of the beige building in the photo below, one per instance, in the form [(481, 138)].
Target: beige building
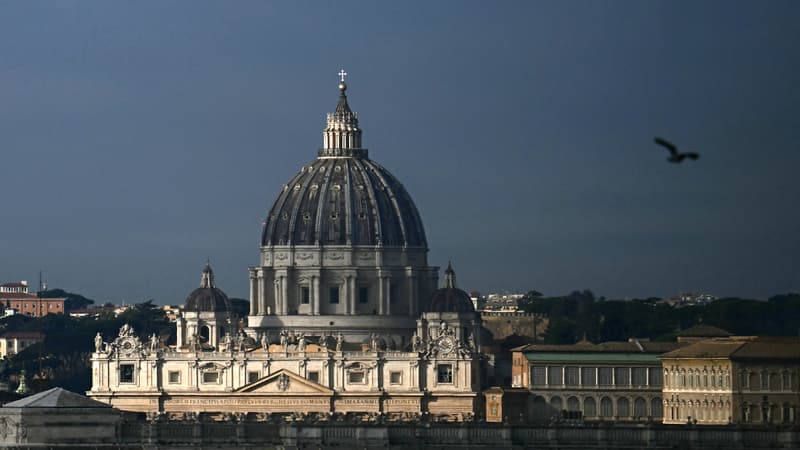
[(738, 379), (13, 342), (211, 371)]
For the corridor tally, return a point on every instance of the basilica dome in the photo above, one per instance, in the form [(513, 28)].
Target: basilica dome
[(207, 298), (450, 298), (343, 197)]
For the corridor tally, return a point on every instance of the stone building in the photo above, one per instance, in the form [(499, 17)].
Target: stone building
[(13, 342), (343, 248), (737, 379), (345, 312), (31, 304), (607, 381)]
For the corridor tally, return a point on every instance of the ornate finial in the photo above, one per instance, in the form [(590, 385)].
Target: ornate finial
[(342, 85), (207, 279), (449, 276)]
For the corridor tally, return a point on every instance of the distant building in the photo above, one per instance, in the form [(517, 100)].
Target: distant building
[(14, 287), (172, 312), (606, 381), (31, 304), (14, 342), (502, 302), (98, 311), (701, 332), (687, 299), (738, 379)]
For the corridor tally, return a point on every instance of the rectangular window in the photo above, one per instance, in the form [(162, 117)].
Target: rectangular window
[(639, 376), (333, 295), (253, 376), (656, 376), (539, 376), (126, 373), (395, 377), (571, 376), (622, 376), (355, 377), (554, 375), (588, 376), (363, 295), (210, 377), (305, 295), (313, 376), (764, 381), (605, 376), (174, 377), (444, 373)]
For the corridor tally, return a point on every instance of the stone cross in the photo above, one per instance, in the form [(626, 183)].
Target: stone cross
[(342, 74)]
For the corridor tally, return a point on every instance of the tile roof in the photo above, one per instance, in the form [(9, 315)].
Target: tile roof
[(56, 398), (632, 346), (22, 335), (703, 330), (741, 347)]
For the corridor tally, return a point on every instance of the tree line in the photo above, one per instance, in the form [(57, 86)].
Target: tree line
[(580, 315)]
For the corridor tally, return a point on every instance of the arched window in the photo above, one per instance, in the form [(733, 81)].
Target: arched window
[(753, 381), (573, 404), (656, 408), (556, 404), (606, 407), (540, 408), (589, 407), (639, 407), (205, 333), (774, 381), (623, 407)]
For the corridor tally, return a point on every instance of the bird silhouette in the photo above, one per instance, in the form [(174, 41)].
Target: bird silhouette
[(674, 155)]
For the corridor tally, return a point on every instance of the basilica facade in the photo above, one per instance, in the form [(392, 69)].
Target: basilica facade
[(346, 315)]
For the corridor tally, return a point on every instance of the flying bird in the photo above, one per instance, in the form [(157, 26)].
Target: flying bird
[(674, 155)]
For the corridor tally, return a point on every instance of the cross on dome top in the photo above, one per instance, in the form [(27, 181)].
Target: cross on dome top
[(342, 85)]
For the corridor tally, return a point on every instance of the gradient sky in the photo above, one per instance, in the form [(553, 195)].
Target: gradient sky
[(138, 138)]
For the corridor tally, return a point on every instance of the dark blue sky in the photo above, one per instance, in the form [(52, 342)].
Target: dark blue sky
[(138, 138)]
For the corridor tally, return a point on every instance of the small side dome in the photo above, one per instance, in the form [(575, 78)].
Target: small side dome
[(207, 298), (450, 298)]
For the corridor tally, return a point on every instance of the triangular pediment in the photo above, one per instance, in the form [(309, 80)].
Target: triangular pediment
[(284, 382)]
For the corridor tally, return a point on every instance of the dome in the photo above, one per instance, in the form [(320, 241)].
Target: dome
[(207, 298), (342, 197), (450, 298)]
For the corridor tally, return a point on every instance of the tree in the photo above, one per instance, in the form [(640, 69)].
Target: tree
[(73, 301)]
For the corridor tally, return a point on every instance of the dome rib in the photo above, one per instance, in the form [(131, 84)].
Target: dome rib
[(393, 199), (343, 198), (348, 201), (301, 193), (373, 203), (323, 195)]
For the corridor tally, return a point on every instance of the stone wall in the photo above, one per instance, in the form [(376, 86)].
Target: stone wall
[(503, 324), (251, 435)]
